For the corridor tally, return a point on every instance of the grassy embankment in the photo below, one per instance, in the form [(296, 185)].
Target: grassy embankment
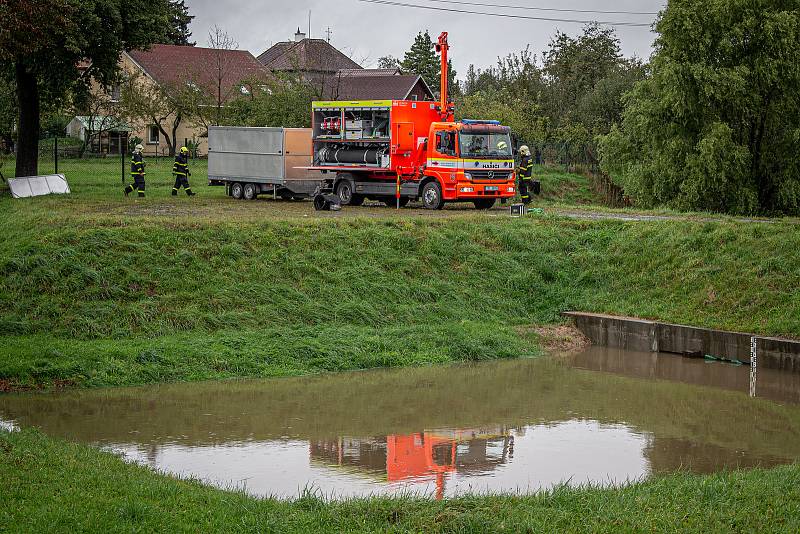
[(100, 290), (50, 485)]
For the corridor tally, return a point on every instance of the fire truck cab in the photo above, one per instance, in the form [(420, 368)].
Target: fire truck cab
[(467, 160)]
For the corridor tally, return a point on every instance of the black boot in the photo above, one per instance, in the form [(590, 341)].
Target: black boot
[(189, 192), (141, 194), (174, 192)]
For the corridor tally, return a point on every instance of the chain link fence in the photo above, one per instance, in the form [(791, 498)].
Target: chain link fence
[(93, 170), (581, 159)]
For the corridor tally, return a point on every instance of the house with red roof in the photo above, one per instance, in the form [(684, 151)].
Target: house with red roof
[(216, 76)]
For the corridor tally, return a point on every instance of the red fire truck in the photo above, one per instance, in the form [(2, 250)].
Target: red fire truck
[(398, 150)]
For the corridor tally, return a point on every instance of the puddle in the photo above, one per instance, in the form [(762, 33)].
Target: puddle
[(604, 416)]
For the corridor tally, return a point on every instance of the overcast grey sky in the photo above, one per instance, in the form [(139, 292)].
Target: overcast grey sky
[(366, 31)]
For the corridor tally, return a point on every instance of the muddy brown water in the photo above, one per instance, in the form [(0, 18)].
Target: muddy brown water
[(603, 416)]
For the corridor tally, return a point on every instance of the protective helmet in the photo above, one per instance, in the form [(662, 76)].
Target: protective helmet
[(138, 148), (524, 150), (184, 150), (502, 145)]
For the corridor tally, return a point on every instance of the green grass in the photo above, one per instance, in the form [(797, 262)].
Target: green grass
[(97, 290), (92, 283), (53, 486)]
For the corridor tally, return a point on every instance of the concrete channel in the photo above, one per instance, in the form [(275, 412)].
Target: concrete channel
[(653, 336)]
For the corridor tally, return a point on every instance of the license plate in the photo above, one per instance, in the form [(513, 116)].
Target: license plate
[(491, 188)]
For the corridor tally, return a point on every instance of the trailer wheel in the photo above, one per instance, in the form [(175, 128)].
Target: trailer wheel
[(484, 203), (432, 196), (249, 192), (237, 190)]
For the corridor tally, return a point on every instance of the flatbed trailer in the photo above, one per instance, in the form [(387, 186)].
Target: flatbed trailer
[(254, 161)]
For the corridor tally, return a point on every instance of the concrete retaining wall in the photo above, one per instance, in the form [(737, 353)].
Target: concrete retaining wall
[(652, 336)]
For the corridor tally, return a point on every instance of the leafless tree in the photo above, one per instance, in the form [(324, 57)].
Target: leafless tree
[(99, 107), (220, 41)]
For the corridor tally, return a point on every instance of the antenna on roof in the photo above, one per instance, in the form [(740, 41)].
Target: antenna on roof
[(328, 32), (309, 24)]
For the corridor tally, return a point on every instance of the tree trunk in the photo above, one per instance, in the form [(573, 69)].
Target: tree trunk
[(28, 133), (174, 148)]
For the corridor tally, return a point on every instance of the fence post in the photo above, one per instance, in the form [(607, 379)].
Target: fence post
[(122, 160), (55, 153)]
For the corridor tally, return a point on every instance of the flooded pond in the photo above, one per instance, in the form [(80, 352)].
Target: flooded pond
[(603, 416)]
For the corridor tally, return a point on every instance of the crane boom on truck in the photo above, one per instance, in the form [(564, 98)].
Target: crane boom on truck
[(388, 150), (397, 150)]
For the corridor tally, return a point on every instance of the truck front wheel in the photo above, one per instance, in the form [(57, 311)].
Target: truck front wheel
[(432, 196)]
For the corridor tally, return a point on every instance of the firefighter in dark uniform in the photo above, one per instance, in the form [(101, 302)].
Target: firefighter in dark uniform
[(181, 171), (525, 174), (137, 172)]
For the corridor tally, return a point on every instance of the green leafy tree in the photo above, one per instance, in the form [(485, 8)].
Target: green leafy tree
[(55, 47), (717, 125), (513, 110), (422, 59), (280, 101), (8, 113), (167, 106), (388, 62), (573, 67), (179, 33)]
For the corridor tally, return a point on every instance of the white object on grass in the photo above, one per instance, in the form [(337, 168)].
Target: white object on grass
[(34, 186)]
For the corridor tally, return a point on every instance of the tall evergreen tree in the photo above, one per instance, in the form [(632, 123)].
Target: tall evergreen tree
[(421, 59), (179, 33)]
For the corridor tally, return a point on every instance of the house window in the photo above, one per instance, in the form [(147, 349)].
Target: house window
[(152, 134), (115, 92)]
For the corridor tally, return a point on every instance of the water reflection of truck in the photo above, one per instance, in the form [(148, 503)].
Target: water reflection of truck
[(421, 455), (388, 150)]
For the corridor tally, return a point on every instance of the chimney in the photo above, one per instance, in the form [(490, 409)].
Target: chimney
[(299, 36)]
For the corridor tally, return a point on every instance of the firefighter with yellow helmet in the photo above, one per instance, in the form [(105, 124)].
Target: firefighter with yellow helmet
[(137, 172), (525, 174), (181, 171)]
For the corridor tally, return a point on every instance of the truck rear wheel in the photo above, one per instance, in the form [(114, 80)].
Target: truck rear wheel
[(345, 190), (249, 192), (432, 196), (237, 190), (484, 203)]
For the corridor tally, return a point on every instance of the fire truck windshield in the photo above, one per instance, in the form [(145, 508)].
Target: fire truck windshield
[(485, 145)]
